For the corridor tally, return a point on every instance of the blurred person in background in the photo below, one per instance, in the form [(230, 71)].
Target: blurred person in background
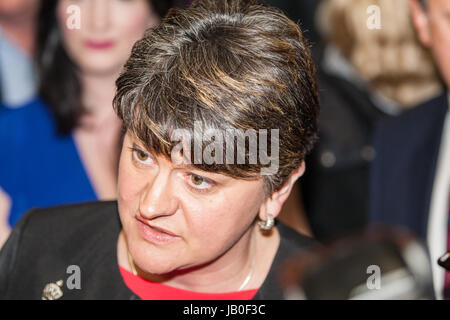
[(64, 146), (364, 76), (410, 184), (18, 24)]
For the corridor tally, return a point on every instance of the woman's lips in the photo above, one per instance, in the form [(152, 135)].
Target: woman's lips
[(99, 45), (155, 235)]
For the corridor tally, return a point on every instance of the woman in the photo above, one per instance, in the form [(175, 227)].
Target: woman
[(196, 213), (71, 131)]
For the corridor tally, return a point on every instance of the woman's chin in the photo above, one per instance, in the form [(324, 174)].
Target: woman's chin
[(101, 68), (156, 266), (158, 273)]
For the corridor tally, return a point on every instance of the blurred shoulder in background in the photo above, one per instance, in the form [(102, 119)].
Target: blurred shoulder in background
[(18, 24)]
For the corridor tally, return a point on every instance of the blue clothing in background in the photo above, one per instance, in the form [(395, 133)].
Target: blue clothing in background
[(18, 81), (38, 167)]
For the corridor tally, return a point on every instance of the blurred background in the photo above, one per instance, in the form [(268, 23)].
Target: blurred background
[(381, 156)]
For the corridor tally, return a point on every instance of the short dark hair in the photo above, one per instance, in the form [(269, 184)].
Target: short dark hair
[(225, 63)]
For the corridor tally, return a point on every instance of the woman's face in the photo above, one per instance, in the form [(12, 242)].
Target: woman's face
[(207, 214), (99, 34), (16, 8)]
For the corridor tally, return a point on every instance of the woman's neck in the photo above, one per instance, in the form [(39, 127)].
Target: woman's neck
[(98, 95), (227, 273), (97, 136)]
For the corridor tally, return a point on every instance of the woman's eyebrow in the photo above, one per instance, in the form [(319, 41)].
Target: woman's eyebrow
[(136, 142), (138, 146)]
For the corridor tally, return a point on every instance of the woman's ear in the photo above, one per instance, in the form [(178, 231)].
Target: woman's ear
[(275, 202), (421, 22)]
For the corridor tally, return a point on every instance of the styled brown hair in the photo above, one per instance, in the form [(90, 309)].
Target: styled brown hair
[(225, 64)]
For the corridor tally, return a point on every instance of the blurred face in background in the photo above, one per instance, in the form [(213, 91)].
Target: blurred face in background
[(11, 9), (107, 31), (433, 26)]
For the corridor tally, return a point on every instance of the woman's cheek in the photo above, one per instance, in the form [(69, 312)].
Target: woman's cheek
[(134, 23), (130, 184), (210, 216), (72, 38)]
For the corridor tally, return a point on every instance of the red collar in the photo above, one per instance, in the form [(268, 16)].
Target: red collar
[(148, 290)]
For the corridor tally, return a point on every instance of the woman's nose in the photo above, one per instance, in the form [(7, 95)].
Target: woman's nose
[(99, 16), (158, 198)]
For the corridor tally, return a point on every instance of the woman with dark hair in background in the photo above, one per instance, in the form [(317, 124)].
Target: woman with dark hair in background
[(64, 147)]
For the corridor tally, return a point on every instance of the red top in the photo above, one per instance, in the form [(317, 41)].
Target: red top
[(148, 290)]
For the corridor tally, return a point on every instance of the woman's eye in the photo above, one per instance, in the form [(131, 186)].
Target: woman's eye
[(199, 182), (141, 156)]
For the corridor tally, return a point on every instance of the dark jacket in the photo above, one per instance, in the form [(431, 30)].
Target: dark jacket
[(335, 186), (47, 241), (403, 172)]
